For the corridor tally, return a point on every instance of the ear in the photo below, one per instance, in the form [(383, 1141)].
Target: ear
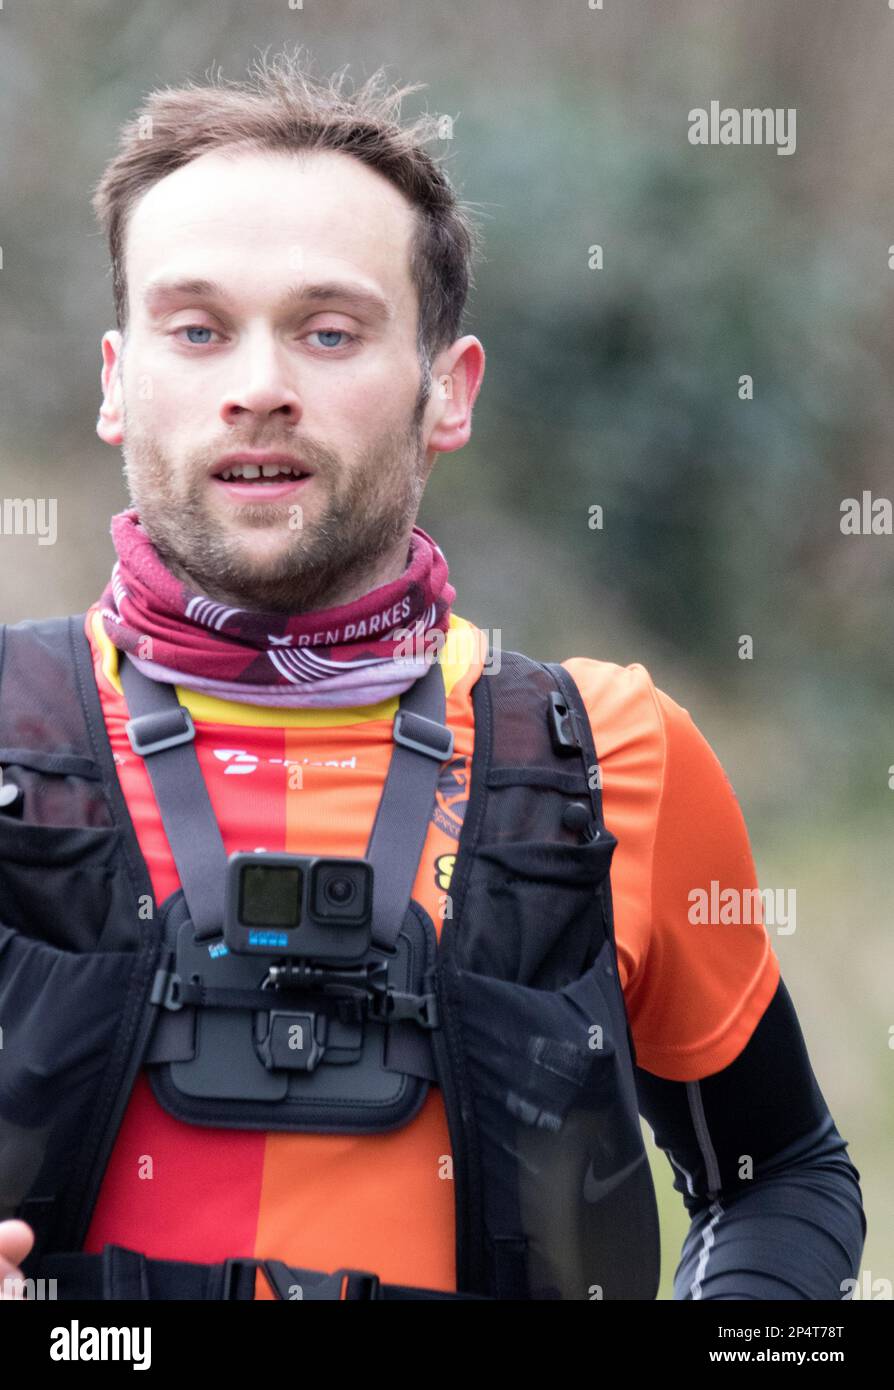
[(110, 424), (457, 373)]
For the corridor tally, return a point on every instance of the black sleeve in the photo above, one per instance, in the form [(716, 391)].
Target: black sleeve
[(775, 1201)]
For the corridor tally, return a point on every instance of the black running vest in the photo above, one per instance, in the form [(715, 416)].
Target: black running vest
[(517, 1013)]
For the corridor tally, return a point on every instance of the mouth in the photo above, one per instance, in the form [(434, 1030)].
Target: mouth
[(260, 475)]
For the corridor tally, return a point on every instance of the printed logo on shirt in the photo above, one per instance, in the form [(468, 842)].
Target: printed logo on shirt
[(240, 763), (452, 795), (443, 870)]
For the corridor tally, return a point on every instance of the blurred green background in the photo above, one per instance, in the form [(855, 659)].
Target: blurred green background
[(617, 387)]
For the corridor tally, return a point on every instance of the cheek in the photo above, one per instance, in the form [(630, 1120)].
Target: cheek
[(163, 402), (154, 375), (371, 404)]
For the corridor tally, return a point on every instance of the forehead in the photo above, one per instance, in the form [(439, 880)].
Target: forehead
[(249, 218)]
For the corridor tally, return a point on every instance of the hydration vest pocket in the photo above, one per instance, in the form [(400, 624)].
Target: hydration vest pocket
[(57, 789), (59, 1015), (64, 885), (554, 1089), (340, 1050), (549, 896)]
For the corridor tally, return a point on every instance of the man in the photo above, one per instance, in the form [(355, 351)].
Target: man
[(290, 270)]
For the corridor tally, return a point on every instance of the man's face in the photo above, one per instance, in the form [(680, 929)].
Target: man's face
[(306, 348)]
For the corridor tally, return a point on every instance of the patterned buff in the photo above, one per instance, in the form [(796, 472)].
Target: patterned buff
[(335, 657)]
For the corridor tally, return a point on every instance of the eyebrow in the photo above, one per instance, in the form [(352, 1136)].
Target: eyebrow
[(160, 294)]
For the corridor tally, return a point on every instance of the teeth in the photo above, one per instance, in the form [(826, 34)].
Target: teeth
[(251, 471)]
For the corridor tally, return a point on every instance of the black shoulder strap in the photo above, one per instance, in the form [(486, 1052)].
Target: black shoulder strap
[(51, 723), (594, 784), (42, 719), (532, 741), (574, 732), (535, 730)]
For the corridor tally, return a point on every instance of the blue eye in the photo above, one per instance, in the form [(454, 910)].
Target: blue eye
[(331, 333), (197, 328)]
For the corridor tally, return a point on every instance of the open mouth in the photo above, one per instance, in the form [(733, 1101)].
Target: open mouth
[(242, 480), (261, 474)]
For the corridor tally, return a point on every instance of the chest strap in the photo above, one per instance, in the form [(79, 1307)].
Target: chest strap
[(161, 731), (122, 1273)]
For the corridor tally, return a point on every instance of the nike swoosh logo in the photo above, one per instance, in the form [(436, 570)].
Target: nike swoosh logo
[(597, 1188)]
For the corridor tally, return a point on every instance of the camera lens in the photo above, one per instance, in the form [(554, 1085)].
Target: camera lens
[(339, 891)]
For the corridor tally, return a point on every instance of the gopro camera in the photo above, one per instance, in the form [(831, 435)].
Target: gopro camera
[(307, 907)]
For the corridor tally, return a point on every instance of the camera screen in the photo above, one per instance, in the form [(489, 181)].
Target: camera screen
[(270, 897)]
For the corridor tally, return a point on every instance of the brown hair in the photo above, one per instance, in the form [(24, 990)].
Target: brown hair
[(284, 108)]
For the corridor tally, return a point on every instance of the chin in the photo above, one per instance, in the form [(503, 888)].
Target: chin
[(255, 577), (258, 550)]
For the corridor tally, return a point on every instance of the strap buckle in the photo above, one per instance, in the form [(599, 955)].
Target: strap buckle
[(563, 725), (424, 735), (390, 1006), (153, 733), (166, 989), (343, 1284)]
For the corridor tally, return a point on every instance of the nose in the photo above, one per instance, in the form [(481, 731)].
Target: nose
[(263, 384)]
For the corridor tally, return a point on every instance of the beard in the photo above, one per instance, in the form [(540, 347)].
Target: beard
[(328, 561)]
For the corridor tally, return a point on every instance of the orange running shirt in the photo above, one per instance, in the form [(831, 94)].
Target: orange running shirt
[(694, 992)]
